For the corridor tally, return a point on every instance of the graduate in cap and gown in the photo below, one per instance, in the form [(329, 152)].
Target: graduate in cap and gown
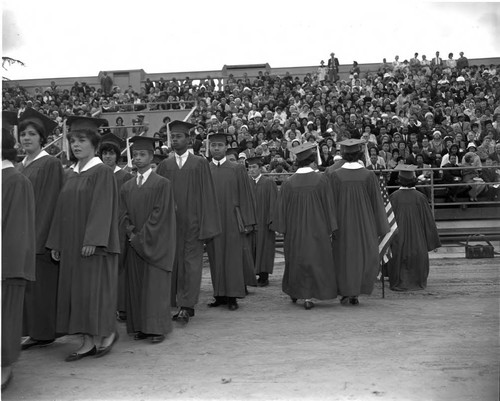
[(84, 237), (147, 221), (18, 252), (110, 153), (264, 237), (226, 252), (197, 217), (46, 175), (361, 219), (306, 217), (417, 234)]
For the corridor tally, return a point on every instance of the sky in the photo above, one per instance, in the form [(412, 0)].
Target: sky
[(55, 38)]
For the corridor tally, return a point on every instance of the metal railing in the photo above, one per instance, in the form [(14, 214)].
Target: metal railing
[(151, 106)]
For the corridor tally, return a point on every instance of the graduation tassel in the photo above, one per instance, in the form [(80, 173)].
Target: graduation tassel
[(65, 143), (129, 156), (319, 155), (207, 145), (169, 141)]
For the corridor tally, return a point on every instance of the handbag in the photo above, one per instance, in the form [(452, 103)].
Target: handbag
[(478, 251)]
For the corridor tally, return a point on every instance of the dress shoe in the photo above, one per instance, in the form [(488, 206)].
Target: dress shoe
[(263, 283), (354, 301), (75, 356), (101, 351), (140, 336), (232, 304), (157, 338), (308, 305), (344, 301), (294, 300), (182, 316), (31, 342), (218, 302)]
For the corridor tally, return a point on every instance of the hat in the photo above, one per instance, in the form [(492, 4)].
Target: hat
[(351, 145), (143, 143), (406, 170), (336, 158), (216, 137), (437, 132), (31, 115), (9, 119), (460, 79), (255, 160), (304, 150), (113, 139), (428, 114), (244, 126), (448, 138), (80, 123), (257, 115), (470, 145), (242, 156), (180, 126)]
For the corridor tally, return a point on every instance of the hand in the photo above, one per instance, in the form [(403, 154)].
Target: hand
[(56, 255), (88, 250), (131, 236)]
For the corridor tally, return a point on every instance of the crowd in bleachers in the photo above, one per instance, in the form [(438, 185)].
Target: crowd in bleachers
[(418, 112)]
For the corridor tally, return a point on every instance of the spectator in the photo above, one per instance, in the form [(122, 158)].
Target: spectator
[(453, 175), (106, 83), (471, 175)]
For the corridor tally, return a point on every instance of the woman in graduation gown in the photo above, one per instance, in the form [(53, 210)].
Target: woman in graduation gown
[(18, 252), (417, 234), (361, 218), (306, 216), (46, 175), (84, 237), (110, 153)]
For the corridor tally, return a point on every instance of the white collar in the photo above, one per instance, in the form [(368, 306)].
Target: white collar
[(257, 179), (116, 169), (145, 176), (218, 162), (304, 170), (6, 164), (352, 165), (184, 156), (43, 153), (91, 163)]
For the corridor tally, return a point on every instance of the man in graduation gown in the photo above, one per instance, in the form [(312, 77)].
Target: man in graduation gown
[(306, 217), (264, 238), (197, 217), (110, 153), (18, 252), (417, 234), (237, 210), (148, 217), (361, 219)]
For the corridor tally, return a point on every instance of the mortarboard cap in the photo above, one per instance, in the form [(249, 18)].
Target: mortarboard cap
[(242, 156), (80, 123), (351, 145), (216, 137), (113, 139), (142, 143), (255, 160), (9, 119), (304, 150), (180, 126), (406, 170), (31, 115)]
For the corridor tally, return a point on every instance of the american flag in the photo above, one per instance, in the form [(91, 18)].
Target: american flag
[(384, 248)]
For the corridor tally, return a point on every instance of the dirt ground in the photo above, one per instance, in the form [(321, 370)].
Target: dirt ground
[(437, 344)]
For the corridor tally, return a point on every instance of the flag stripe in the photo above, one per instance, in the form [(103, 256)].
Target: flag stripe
[(384, 246)]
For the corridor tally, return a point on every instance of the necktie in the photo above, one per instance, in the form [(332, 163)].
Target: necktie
[(179, 161), (141, 178)]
